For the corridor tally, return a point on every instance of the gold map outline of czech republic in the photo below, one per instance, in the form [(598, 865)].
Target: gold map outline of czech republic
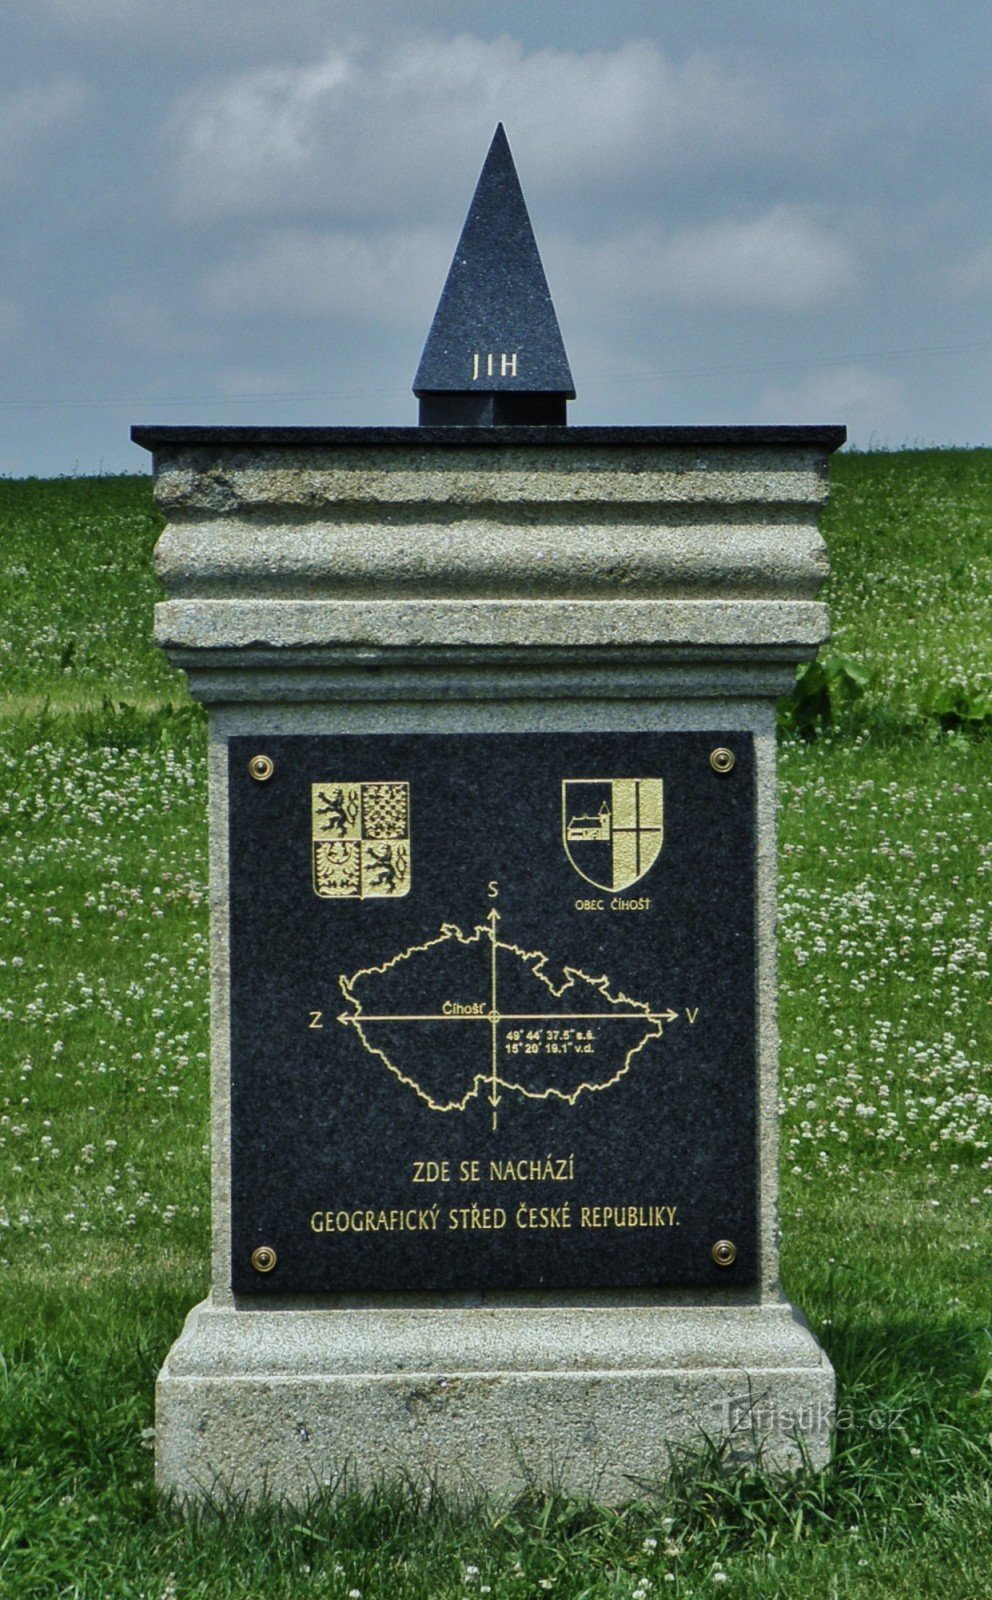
[(625, 815), (486, 1069), (361, 839)]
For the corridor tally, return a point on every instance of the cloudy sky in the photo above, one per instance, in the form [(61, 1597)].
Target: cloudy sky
[(243, 210)]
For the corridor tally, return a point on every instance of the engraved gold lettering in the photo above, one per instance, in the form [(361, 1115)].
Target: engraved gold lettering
[(316, 1019), (431, 1172), (543, 1217), (550, 1169), (475, 366), (485, 1219), (370, 1220), (477, 1218), (493, 889), (692, 1014), (508, 366), (629, 1217), (468, 1171), (589, 905)]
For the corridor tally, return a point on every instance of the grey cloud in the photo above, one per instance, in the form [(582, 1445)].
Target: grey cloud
[(143, 321), (362, 133), (30, 118), (849, 392), (973, 276), (12, 321), (196, 30), (395, 276), (781, 260)]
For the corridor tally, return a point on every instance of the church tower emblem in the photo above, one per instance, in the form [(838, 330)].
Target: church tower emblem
[(612, 828)]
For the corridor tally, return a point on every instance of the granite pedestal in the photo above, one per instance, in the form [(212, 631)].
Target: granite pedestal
[(330, 588)]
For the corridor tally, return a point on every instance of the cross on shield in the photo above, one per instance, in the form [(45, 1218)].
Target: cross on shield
[(612, 828)]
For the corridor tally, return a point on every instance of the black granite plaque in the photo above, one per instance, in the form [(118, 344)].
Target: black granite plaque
[(492, 1011)]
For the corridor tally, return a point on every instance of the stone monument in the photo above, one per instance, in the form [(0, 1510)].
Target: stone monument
[(492, 813)]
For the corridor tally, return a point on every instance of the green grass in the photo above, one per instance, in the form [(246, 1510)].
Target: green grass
[(886, 1014), (76, 589), (909, 538)]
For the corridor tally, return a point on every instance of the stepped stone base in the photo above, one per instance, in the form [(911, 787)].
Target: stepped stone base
[(592, 1401)]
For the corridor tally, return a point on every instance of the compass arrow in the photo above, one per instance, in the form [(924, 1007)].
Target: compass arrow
[(663, 1016), (494, 1096)]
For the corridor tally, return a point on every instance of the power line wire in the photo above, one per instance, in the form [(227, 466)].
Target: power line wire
[(685, 374)]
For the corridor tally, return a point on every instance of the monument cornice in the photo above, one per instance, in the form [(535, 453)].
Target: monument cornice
[(826, 437), (300, 548)]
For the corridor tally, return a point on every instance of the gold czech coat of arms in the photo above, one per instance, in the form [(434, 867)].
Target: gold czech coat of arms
[(361, 840)]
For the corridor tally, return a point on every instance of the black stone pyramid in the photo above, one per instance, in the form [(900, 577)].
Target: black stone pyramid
[(495, 353)]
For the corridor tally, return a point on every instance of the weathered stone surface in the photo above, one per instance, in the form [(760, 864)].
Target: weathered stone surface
[(493, 559), (592, 1400), (194, 479), (390, 624)]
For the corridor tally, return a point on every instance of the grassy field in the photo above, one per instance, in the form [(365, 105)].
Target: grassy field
[(886, 861)]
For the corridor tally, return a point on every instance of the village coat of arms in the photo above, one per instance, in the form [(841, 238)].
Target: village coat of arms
[(612, 828)]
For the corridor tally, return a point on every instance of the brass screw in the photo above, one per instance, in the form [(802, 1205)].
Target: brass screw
[(722, 760), (724, 1253), (264, 1258), (261, 767)]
